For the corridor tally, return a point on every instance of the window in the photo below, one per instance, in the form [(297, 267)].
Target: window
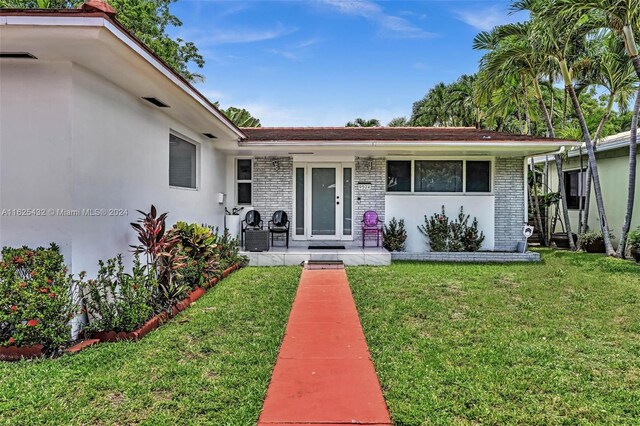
[(299, 201), (399, 176), (478, 176), (243, 181), (182, 163), (347, 200), (574, 185), (438, 176)]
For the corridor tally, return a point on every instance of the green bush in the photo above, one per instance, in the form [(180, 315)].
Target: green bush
[(115, 300), (228, 249), (394, 237), (633, 239), (35, 298), (198, 244), (446, 235)]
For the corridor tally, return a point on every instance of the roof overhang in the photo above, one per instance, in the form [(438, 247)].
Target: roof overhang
[(398, 148), (101, 45)]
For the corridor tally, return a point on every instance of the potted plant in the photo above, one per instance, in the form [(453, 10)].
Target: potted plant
[(232, 220), (592, 242), (561, 239), (633, 241)]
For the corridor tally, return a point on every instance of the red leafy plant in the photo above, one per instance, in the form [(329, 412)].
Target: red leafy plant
[(164, 260), (35, 298)]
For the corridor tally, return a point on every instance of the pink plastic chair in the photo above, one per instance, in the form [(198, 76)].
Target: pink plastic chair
[(371, 224)]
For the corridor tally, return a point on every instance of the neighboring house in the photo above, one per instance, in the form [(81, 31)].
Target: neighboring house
[(93, 126), (612, 156)]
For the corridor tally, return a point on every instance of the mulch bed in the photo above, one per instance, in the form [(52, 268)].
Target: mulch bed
[(16, 353)]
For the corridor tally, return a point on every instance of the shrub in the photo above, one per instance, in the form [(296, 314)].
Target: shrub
[(35, 298), (633, 239), (115, 300), (163, 258), (446, 235), (197, 243), (591, 238), (228, 249), (394, 237)]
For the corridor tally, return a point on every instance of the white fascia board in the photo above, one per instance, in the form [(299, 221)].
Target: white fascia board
[(405, 144), (63, 21)]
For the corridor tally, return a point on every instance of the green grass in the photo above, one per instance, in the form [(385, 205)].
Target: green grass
[(209, 365), (550, 343)]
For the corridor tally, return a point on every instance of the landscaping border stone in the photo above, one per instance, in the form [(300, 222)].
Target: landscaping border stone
[(468, 257), (16, 353)]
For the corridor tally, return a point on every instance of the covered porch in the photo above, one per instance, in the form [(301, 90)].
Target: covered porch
[(298, 252)]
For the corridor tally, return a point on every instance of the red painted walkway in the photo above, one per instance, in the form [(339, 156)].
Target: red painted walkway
[(324, 374)]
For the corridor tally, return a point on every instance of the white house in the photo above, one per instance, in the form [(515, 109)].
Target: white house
[(94, 126)]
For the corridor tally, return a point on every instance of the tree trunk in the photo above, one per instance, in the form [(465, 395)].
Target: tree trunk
[(597, 189), (622, 247), (596, 139), (580, 202), (558, 158)]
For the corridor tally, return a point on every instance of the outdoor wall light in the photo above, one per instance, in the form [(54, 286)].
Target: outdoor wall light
[(276, 163), (368, 165)]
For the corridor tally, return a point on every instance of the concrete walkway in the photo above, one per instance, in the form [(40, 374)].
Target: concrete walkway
[(324, 374)]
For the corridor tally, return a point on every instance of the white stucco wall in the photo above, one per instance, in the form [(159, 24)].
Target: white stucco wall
[(413, 208), (613, 168), (91, 145), (35, 145)]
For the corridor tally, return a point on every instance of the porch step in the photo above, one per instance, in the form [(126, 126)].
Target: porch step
[(323, 264), (352, 256)]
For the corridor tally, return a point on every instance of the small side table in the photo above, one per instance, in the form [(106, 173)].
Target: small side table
[(256, 240)]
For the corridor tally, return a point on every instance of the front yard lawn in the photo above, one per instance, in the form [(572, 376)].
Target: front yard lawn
[(550, 343), (209, 365)]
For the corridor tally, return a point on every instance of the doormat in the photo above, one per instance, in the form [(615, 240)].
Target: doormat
[(326, 247)]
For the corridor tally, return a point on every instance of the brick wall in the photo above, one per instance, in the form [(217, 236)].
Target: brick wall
[(273, 186), (509, 203), (273, 190), (371, 170)]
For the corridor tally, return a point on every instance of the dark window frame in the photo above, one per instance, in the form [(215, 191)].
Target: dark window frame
[(410, 177), (461, 183), (239, 182), (465, 191), (573, 201)]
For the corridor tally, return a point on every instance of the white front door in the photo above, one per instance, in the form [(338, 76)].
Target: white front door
[(322, 201)]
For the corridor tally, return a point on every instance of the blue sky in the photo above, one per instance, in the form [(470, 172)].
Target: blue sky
[(325, 62)]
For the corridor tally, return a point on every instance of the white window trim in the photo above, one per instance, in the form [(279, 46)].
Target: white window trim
[(198, 146), (464, 191), (237, 181)]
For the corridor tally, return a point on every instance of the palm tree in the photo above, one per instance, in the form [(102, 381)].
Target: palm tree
[(610, 69), (562, 38), (622, 17), (513, 53), (432, 109), (462, 103), (361, 122), (399, 122), (241, 117)]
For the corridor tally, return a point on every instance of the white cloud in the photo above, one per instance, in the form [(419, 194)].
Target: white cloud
[(240, 35), (486, 19), (296, 50), (389, 24)]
